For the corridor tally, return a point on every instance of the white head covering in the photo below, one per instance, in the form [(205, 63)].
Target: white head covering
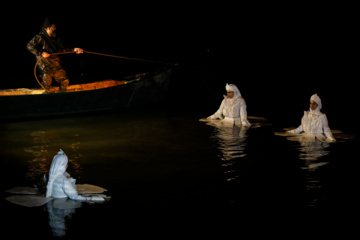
[(57, 168), (316, 99), (233, 88)]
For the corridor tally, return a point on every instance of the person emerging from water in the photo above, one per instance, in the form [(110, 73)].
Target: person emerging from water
[(44, 45), (232, 108), (60, 184), (315, 122)]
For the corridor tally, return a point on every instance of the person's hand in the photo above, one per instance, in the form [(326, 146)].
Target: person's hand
[(330, 140), (245, 124), (97, 199), (78, 50), (45, 55)]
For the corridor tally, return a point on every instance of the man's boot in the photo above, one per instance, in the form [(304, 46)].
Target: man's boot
[(63, 86)]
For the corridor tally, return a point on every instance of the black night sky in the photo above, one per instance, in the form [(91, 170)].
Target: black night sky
[(274, 55)]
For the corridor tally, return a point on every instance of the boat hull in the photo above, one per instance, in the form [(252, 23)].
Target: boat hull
[(146, 90)]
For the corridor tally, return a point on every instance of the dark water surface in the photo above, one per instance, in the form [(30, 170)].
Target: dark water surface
[(163, 168)]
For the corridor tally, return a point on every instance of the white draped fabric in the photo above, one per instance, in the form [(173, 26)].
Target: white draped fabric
[(60, 184), (232, 110), (315, 122)]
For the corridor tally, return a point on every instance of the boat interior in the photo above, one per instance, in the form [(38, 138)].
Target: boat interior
[(70, 88)]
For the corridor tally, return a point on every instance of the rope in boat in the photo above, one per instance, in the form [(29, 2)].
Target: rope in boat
[(101, 54)]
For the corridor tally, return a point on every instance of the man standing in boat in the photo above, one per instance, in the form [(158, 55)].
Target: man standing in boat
[(43, 46)]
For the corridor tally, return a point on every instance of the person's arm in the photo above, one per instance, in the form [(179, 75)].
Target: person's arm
[(243, 113), (34, 46), (218, 113), (298, 129), (327, 130), (66, 49), (71, 192)]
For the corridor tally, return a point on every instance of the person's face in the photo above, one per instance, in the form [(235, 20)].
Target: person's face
[(230, 94), (51, 30), (313, 105)]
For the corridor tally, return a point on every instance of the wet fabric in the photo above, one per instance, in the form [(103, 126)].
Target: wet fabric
[(60, 184), (232, 110), (59, 76), (315, 122)]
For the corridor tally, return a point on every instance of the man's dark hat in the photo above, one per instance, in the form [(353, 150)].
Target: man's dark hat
[(47, 23)]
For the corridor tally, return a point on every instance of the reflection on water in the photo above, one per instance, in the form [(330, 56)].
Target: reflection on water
[(40, 164), (147, 163), (232, 143), (312, 153), (60, 210)]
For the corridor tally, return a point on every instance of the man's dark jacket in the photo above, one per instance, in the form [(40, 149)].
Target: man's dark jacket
[(44, 43)]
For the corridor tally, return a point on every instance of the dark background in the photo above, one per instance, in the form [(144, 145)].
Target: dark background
[(278, 55)]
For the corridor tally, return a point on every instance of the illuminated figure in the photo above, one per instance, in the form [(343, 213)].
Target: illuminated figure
[(43, 46), (60, 184), (314, 122), (233, 108)]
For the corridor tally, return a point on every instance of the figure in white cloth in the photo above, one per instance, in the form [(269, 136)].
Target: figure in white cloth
[(315, 122), (233, 108), (60, 184)]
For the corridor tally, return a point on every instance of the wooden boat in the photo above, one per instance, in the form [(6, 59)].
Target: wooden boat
[(139, 89)]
